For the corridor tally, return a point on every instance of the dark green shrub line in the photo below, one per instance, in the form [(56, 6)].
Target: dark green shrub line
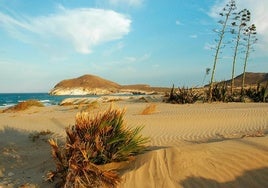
[(220, 93), (183, 95)]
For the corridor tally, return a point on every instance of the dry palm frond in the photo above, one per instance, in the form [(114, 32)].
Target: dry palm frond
[(92, 141)]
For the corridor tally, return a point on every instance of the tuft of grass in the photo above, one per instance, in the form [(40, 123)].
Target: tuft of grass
[(37, 135), (93, 141), (149, 109), (24, 105), (91, 106)]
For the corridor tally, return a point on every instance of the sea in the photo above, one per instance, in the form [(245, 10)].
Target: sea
[(11, 99)]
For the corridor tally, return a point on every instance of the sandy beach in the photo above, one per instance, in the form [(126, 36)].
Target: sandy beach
[(198, 145)]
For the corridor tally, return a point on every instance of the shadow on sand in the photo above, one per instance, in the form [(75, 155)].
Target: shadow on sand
[(257, 178), (24, 161)]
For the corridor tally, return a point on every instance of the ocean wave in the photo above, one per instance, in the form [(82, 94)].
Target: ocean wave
[(7, 105)]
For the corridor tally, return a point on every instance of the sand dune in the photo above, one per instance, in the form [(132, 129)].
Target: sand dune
[(199, 145)]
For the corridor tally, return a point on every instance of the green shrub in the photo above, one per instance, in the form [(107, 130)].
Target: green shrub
[(93, 141)]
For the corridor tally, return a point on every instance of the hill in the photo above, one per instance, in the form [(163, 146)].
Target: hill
[(87, 81), (250, 79), (94, 85), (83, 85)]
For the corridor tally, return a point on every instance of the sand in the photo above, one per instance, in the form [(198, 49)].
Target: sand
[(197, 145)]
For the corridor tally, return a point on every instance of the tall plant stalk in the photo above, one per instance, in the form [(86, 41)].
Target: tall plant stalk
[(250, 39), (243, 17), (226, 13)]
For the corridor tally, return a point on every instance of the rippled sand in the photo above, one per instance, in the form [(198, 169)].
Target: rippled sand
[(199, 145)]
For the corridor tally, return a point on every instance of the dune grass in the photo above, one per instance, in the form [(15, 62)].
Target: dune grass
[(149, 109), (93, 141), (38, 134), (89, 107), (24, 105)]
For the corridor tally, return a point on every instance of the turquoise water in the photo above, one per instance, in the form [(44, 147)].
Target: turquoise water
[(10, 99)]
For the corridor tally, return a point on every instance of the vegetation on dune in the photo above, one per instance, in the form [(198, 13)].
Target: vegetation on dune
[(236, 24), (240, 22), (37, 135), (24, 105), (183, 96), (250, 39), (258, 94), (94, 141), (225, 14), (219, 93)]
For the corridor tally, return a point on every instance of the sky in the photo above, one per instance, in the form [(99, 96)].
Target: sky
[(155, 42)]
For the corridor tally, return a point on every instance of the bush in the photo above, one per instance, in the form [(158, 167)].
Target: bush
[(259, 94), (24, 105), (219, 93), (94, 141), (183, 95)]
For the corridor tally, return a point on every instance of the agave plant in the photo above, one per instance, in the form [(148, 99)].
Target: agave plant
[(93, 141), (183, 96), (259, 94)]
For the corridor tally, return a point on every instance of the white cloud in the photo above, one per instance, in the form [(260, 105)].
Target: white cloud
[(83, 28), (258, 12), (132, 3)]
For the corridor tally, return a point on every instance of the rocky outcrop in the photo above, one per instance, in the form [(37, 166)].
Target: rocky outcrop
[(80, 91)]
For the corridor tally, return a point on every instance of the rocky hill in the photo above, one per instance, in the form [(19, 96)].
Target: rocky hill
[(94, 85), (251, 79), (87, 84)]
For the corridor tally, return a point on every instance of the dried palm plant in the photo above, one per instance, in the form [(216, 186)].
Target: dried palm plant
[(93, 141)]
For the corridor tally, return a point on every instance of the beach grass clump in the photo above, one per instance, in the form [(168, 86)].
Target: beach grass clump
[(24, 105), (183, 96), (91, 106), (149, 109), (93, 141), (37, 135)]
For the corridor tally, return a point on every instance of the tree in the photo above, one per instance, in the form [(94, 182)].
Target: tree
[(225, 14), (240, 22), (250, 39)]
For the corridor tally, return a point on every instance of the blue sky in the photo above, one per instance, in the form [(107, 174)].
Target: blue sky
[(155, 42)]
